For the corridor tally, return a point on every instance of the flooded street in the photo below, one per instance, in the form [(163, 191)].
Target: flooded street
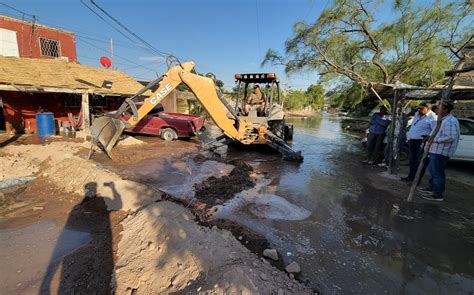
[(355, 239), (346, 225)]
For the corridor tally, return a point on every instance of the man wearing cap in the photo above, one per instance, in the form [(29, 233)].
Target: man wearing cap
[(421, 127), (255, 101), (443, 147)]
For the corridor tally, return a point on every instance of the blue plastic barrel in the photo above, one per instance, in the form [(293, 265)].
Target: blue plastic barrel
[(45, 124)]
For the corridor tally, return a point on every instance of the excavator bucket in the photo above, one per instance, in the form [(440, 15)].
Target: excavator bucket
[(107, 131)]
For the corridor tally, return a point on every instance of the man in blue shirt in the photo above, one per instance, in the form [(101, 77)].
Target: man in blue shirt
[(378, 124), (421, 127)]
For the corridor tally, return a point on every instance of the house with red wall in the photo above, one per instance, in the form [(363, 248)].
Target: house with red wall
[(32, 40), (39, 72)]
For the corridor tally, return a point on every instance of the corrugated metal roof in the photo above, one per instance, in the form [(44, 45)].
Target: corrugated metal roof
[(56, 73)]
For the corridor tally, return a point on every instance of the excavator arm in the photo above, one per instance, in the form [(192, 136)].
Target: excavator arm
[(107, 129)]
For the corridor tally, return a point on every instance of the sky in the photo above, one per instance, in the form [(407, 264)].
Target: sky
[(224, 37)]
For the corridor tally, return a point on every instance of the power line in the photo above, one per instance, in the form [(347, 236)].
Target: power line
[(157, 51), (82, 37), (108, 51), (132, 44), (17, 10), (106, 21)]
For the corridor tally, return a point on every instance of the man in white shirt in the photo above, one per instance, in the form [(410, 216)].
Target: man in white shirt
[(421, 127), (443, 147)]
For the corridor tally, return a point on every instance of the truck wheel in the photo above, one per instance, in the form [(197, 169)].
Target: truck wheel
[(168, 134)]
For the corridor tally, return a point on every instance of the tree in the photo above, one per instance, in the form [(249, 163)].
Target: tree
[(184, 87), (315, 96), (220, 84), (295, 100), (347, 40), (347, 97)]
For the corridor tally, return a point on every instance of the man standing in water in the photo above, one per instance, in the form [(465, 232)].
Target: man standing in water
[(421, 127), (443, 147), (378, 124)]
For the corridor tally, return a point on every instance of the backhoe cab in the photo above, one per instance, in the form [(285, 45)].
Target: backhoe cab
[(269, 109)]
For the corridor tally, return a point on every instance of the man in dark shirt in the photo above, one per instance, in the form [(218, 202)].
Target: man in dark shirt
[(378, 124)]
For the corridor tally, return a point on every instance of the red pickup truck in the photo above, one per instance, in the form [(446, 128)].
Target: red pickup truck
[(169, 126)]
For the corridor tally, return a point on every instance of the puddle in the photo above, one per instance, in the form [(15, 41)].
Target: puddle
[(274, 207), (176, 177), (28, 251)]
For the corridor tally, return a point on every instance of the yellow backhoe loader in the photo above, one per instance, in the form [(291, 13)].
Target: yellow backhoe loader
[(107, 129)]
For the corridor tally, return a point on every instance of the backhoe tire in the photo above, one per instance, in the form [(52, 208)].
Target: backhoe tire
[(168, 134), (288, 132), (277, 127)]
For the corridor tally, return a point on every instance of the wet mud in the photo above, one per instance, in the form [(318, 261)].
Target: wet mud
[(215, 191)]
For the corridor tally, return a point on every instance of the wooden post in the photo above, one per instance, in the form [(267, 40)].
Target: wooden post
[(393, 140), (174, 102), (85, 115), (399, 132)]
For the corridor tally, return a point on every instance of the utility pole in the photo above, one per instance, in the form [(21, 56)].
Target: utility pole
[(112, 54)]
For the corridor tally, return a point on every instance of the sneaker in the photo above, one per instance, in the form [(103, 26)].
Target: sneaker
[(382, 165), (424, 190), (370, 162), (432, 197), (365, 161)]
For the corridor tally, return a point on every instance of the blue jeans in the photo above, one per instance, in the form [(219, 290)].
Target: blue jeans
[(414, 156), (438, 177)]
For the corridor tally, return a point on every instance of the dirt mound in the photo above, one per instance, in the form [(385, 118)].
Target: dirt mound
[(24, 160), (129, 140), (215, 191), (163, 251), (75, 174), (72, 174)]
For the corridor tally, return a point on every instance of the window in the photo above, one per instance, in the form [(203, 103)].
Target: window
[(467, 127), (50, 47), (8, 43)]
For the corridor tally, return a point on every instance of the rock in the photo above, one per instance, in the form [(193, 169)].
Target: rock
[(35, 208), (240, 238), (271, 253), (280, 292), (263, 277), (293, 268)]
